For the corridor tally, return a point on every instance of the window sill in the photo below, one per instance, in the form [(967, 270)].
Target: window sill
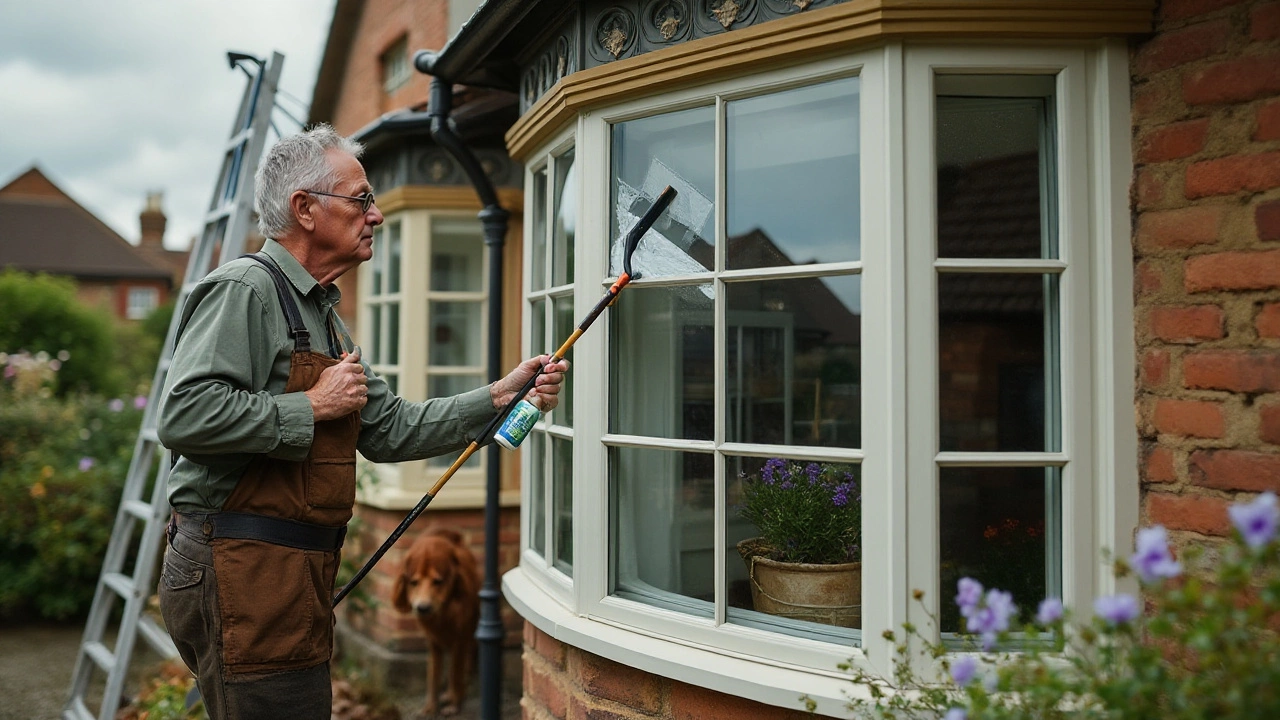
[(707, 667)]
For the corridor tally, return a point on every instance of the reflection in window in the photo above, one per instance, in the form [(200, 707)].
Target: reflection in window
[(792, 177), (792, 372), (1001, 527), (562, 503), (565, 214)]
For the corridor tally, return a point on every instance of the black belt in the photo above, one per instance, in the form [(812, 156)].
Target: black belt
[(278, 531)]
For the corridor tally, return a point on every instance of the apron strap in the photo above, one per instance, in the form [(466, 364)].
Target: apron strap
[(297, 328)]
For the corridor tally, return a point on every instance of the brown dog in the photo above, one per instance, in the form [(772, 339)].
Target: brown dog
[(439, 583)]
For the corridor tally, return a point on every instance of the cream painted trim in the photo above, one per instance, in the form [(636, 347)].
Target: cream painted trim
[(444, 197), (807, 36)]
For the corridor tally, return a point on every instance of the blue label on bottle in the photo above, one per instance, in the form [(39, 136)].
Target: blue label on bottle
[(517, 425)]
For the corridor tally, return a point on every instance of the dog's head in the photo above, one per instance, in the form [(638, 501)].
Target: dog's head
[(429, 575)]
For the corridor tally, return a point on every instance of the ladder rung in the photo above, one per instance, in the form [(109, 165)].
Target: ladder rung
[(76, 710), (150, 435), (101, 656), (239, 138), (139, 509), (156, 637), (122, 584), (164, 363), (219, 213)]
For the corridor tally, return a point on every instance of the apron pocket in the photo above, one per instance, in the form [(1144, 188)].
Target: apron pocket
[(275, 605), (331, 484)]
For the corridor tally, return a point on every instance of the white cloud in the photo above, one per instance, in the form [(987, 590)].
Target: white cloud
[(114, 99)]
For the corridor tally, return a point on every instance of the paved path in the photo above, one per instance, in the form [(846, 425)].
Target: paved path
[(36, 661)]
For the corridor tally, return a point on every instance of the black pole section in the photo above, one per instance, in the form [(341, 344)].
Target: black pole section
[(490, 632)]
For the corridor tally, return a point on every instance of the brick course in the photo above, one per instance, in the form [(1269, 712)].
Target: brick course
[(1206, 262)]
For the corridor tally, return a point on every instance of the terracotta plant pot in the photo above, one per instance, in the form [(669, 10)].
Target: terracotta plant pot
[(827, 594)]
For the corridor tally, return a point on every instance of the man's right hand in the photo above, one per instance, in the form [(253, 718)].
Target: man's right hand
[(341, 389)]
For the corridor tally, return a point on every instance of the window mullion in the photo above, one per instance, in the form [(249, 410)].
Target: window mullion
[(719, 310)]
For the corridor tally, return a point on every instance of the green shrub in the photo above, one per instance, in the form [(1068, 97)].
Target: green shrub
[(63, 460), (42, 314)]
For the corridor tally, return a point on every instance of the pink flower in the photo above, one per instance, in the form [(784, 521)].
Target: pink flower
[(139, 402), (115, 405)]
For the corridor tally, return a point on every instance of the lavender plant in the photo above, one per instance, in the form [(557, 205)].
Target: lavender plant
[(1202, 648), (805, 512)]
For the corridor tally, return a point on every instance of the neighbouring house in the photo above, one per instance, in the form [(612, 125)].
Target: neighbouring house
[(1016, 261), (44, 230)]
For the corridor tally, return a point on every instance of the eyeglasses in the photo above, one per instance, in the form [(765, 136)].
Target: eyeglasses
[(365, 198)]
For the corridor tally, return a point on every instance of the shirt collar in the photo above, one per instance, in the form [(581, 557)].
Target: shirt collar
[(302, 280)]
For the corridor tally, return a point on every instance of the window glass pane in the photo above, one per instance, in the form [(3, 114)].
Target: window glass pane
[(393, 257), (562, 503), (447, 386), (457, 256), (793, 367), (375, 334), (538, 341), (565, 324), (379, 241), (662, 367), (1001, 527), (538, 268), (997, 364), (566, 199), (794, 545), (676, 149), (455, 333), (393, 333), (537, 444), (662, 528), (792, 177), (995, 178)]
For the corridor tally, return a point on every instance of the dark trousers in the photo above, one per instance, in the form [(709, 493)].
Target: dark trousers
[(189, 604)]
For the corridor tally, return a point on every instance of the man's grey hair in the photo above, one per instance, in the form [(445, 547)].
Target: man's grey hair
[(297, 162)]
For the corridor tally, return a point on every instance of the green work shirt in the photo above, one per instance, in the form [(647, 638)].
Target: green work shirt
[(224, 401)]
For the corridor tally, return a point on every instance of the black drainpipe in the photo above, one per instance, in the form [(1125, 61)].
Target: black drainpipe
[(494, 219)]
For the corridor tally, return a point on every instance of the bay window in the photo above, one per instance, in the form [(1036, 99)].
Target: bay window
[(898, 263)]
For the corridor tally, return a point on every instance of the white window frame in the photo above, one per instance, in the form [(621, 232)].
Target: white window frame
[(399, 486), (899, 366), (549, 578), (394, 63)]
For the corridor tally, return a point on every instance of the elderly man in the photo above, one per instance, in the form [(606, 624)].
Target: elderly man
[(266, 403)]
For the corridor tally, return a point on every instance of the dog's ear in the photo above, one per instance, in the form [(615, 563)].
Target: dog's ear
[(400, 592)]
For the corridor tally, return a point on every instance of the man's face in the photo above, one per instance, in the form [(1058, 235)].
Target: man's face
[(343, 233)]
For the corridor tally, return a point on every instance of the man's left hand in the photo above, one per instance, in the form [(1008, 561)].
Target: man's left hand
[(545, 394)]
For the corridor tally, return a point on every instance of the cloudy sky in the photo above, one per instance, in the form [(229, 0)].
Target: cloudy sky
[(114, 98)]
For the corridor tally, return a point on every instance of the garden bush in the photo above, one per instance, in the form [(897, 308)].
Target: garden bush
[(63, 460)]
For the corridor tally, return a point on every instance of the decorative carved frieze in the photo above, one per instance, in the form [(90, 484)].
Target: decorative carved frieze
[(614, 34)]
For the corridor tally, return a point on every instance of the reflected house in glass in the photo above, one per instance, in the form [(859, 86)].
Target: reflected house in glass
[(904, 244)]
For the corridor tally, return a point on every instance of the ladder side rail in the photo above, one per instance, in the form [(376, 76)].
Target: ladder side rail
[(238, 224)]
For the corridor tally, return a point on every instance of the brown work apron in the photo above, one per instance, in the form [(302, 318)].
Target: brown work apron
[(276, 602)]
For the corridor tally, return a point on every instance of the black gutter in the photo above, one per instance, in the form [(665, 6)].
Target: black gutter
[(493, 217)]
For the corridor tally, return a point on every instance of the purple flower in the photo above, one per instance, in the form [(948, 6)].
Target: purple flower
[(86, 463), (1152, 560), (840, 497), (964, 669), (139, 402), (770, 467), (1050, 611), (115, 405), (956, 713), (1256, 521), (812, 470), (992, 616), (1116, 609), (969, 596)]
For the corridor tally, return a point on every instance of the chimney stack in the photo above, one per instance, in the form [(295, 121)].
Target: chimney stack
[(152, 220)]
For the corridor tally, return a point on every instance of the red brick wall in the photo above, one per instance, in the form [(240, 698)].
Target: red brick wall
[(562, 681), (1206, 196), (361, 99), (383, 623)]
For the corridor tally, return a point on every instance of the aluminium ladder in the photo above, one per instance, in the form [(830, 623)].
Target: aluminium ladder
[(223, 238)]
